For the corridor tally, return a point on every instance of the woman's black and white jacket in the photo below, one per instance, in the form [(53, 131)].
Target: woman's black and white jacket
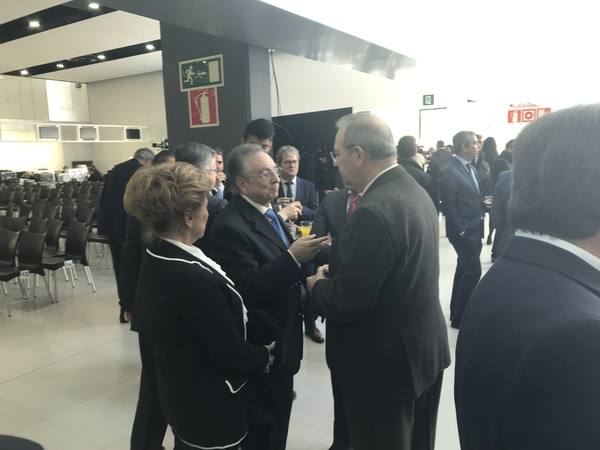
[(196, 320)]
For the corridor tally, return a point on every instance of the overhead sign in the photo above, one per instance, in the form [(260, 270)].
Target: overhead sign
[(201, 72), (526, 114), (203, 107), (428, 100)]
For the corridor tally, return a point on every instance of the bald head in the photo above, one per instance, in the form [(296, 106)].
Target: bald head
[(369, 132)]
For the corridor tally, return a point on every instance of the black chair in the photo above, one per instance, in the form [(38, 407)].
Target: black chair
[(31, 255), (54, 227), (85, 214), (30, 196), (13, 223), (19, 197), (25, 210), (8, 267), (37, 210), (49, 211), (67, 215), (76, 251), (38, 225), (6, 196)]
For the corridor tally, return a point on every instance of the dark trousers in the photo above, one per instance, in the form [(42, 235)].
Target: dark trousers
[(341, 436), (149, 425), (115, 244), (386, 423), (277, 399), (468, 269)]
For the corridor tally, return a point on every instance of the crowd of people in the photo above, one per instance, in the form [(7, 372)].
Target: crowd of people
[(216, 279)]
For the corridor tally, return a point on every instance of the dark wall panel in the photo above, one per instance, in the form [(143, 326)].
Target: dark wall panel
[(237, 102)]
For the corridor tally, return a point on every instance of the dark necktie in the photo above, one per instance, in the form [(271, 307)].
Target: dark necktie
[(272, 218), (288, 190), (352, 204), (471, 171)]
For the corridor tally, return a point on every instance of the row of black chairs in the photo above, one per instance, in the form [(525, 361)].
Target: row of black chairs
[(23, 253)]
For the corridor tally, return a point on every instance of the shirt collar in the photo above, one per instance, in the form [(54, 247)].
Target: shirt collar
[(592, 260), (462, 160), (293, 181), (370, 183), (261, 208), (199, 254)]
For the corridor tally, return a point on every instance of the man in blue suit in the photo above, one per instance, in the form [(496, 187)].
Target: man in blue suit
[(301, 193), (527, 365), (462, 204)]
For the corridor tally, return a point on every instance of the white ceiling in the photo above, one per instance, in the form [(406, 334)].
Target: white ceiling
[(105, 32)]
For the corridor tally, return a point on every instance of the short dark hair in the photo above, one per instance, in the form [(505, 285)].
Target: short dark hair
[(261, 128), (489, 149), (162, 157), (439, 144), (460, 139), (236, 165), (199, 155), (556, 187), (407, 147)]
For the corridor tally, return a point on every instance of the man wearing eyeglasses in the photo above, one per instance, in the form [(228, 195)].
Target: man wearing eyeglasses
[(387, 344), (254, 247)]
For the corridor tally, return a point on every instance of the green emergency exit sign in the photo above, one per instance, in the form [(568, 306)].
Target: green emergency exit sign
[(428, 100)]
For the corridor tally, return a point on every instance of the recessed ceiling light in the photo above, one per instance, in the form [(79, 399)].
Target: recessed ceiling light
[(150, 47), (34, 24), (94, 5), (101, 57), (60, 65), (24, 72)]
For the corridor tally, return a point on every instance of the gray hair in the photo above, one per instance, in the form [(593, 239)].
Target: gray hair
[(199, 155), (286, 149), (369, 132), (237, 160), (144, 154), (461, 139)]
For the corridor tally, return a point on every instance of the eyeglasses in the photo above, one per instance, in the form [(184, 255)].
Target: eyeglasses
[(290, 162), (266, 174)]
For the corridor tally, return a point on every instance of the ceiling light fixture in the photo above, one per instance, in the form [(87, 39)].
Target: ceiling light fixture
[(101, 57), (94, 5), (60, 65), (24, 72), (150, 47), (34, 24)]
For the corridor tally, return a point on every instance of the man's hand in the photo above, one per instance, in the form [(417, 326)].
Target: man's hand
[(304, 249), (283, 201), (322, 274), (291, 212), (221, 178), (127, 315)]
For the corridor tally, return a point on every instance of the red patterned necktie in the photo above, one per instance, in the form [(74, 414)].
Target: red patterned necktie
[(352, 203)]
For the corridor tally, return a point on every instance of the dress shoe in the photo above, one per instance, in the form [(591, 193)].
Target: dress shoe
[(122, 317), (315, 335)]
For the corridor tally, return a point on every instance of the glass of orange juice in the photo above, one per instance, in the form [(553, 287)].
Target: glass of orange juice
[(305, 227)]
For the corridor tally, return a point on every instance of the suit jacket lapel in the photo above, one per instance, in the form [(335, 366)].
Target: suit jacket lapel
[(462, 169), (260, 223)]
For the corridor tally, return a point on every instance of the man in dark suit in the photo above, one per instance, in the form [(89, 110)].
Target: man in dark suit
[(112, 218), (387, 340), (252, 244), (527, 365), (462, 204), (302, 193), (438, 161), (407, 149)]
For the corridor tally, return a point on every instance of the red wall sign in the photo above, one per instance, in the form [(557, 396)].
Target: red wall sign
[(528, 114), (203, 107)]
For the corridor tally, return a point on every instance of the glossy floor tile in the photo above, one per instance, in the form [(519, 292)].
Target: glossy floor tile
[(69, 371)]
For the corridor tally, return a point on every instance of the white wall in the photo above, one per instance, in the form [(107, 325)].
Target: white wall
[(135, 100), (306, 85), (67, 102), (23, 98)]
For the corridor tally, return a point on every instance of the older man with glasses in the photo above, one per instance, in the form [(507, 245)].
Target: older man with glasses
[(254, 247)]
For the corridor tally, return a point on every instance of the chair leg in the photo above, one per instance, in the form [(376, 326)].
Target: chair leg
[(4, 288), (88, 272), (74, 272), (66, 274), (35, 283), (55, 286), (71, 272), (48, 287)]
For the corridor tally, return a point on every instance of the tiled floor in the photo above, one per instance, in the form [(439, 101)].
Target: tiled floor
[(69, 372)]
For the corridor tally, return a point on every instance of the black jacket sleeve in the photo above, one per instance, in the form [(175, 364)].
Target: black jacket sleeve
[(130, 262)]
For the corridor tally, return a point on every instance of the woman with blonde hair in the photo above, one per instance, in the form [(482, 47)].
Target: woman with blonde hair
[(190, 312)]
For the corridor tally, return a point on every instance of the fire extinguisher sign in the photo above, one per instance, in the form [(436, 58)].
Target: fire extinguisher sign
[(203, 107)]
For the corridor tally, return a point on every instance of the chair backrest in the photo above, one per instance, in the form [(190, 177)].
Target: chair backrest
[(13, 223), (68, 214), (8, 246), (10, 209), (76, 244), (31, 251), (37, 210), (30, 196), (38, 225), (6, 196), (50, 211), (18, 197), (25, 210), (53, 233), (85, 214)]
